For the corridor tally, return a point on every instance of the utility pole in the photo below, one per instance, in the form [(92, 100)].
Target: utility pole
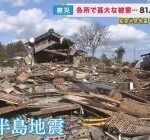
[(134, 53)]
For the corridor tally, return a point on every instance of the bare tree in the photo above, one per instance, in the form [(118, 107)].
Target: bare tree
[(91, 37)]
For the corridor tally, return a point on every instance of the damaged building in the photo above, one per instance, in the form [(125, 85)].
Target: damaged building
[(52, 47), (144, 63)]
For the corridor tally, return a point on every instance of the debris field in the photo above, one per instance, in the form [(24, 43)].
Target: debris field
[(84, 99)]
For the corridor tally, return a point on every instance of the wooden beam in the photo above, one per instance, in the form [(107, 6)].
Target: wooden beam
[(43, 46), (135, 80), (57, 109), (55, 52), (10, 109)]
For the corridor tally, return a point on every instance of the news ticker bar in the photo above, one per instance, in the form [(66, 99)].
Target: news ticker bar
[(103, 10)]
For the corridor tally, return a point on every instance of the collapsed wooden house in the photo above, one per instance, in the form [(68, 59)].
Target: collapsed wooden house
[(52, 47)]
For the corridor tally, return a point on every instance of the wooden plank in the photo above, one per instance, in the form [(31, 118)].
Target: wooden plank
[(105, 98), (134, 97), (93, 95), (84, 102)]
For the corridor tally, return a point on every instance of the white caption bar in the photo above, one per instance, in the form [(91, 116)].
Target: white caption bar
[(111, 10)]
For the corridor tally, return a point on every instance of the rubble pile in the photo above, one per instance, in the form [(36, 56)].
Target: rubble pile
[(83, 97)]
